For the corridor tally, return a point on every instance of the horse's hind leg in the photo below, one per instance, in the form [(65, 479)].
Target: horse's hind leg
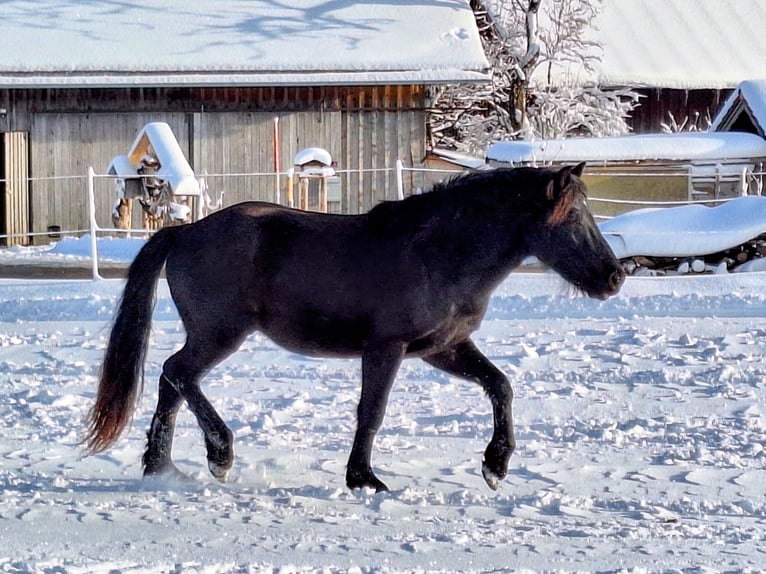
[(159, 444), (467, 362), (180, 380)]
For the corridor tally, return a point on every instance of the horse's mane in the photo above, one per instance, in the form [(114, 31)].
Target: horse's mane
[(446, 197), (526, 188)]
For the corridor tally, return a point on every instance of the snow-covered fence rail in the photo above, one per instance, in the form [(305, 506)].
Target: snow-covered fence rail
[(93, 203)]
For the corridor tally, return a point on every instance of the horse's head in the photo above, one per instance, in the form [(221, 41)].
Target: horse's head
[(571, 243)]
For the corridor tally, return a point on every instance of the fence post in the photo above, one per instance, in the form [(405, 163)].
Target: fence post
[(93, 223), (277, 160), (743, 184), (399, 179)]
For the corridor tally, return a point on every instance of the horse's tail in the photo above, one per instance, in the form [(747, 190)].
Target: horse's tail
[(121, 378)]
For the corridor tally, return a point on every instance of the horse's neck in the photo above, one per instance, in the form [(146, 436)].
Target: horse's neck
[(475, 245)]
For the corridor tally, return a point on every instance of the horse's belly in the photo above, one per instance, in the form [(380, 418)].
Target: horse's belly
[(315, 337)]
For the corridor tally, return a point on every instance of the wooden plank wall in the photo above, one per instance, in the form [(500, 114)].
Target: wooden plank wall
[(385, 125), (228, 145), (221, 130)]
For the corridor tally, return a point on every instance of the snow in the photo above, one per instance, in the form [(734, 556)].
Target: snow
[(687, 230), (303, 42), (694, 146), (640, 421), (73, 252)]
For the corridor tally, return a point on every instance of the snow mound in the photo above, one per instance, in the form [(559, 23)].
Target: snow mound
[(686, 231)]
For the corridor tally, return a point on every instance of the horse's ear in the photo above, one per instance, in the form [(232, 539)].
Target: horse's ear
[(558, 182), (556, 192), (564, 176), (561, 179)]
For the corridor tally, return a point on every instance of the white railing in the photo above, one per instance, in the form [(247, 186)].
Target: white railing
[(94, 229)]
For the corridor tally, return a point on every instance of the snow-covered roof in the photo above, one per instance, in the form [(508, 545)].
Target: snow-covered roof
[(458, 158), (749, 98), (701, 147), (54, 43), (683, 44)]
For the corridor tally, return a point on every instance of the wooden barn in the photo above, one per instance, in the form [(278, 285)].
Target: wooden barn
[(244, 87), (684, 57)]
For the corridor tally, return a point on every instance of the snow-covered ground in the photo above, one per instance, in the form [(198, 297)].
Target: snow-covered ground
[(641, 424)]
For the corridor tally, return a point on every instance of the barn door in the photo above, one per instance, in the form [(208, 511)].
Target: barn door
[(14, 201)]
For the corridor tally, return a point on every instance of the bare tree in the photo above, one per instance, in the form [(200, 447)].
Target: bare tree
[(524, 100), (522, 69)]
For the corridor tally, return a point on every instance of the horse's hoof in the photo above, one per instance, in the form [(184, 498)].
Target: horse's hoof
[(220, 473), (367, 479), (492, 479)]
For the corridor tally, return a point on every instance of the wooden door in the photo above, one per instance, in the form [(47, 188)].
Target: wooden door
[(15, 197)]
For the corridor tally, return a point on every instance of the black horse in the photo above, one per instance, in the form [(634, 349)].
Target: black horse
[(408, 279)]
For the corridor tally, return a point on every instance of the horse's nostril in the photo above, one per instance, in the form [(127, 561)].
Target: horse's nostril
[(616, 279)]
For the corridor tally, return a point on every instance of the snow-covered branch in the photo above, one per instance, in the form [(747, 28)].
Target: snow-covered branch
[(520, 37)]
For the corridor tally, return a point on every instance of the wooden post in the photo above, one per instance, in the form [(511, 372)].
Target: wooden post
[(122, 214), (304, 193), (289, 193), (323, 194)]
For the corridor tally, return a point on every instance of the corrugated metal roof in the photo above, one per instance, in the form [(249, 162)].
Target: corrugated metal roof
[(242, 42), (684, 44)]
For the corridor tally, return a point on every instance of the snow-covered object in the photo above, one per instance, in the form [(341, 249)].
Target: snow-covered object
[(686, 231), (692, 147), (314, 161), (313, 154), (158, 140), (753, 94)]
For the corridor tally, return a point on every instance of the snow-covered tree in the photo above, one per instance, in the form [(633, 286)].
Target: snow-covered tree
[(524, 40)]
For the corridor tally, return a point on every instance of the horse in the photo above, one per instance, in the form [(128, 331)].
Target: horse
[(409, 278)]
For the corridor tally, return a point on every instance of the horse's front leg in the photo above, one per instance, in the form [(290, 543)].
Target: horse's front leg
[(379, 367), (464, 360)]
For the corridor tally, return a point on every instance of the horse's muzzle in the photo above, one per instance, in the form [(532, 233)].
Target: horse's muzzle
[(616, 279), (609, 288)]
